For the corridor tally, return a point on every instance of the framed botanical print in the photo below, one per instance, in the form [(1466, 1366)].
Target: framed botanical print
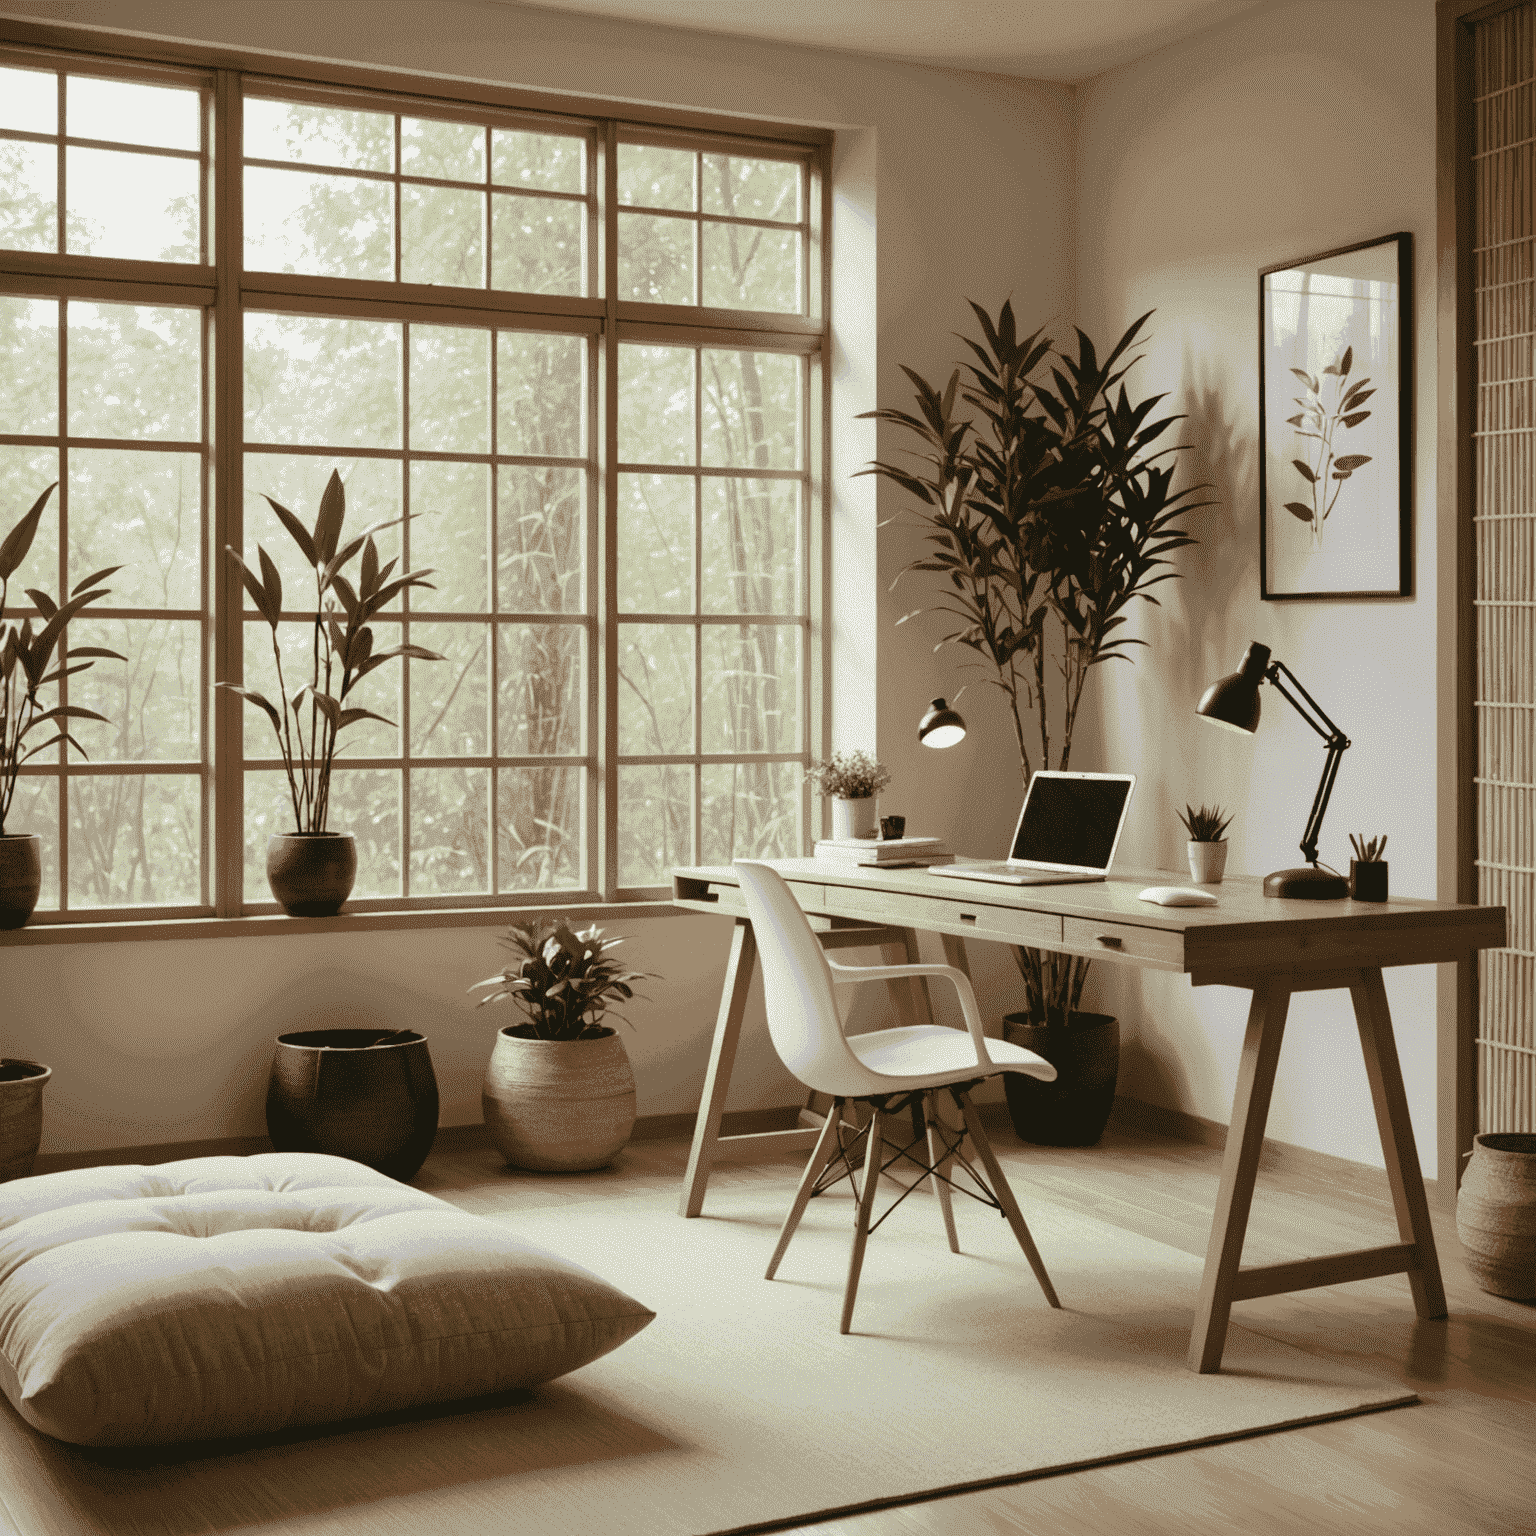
[(1335, 423)]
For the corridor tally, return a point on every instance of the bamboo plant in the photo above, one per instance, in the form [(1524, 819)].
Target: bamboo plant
[(308, 724), (27, 664), (1047, 507)]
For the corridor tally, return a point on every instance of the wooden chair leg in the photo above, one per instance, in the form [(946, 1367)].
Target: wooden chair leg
[(941, 1169), (873, 1156), (1005, 1196), (828, 1146)]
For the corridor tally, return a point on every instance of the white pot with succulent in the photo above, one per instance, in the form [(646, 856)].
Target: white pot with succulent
[(311, 869), (559, 1093), (852, 781), (1207, 845), (27, 667)]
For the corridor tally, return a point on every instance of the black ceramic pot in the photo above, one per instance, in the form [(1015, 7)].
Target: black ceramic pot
[(311, 873), (21, 877), (1073, 1110), (337, 1091)]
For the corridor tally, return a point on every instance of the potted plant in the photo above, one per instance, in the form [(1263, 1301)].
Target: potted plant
[(1046, 512), (1207, 845), (852, 780), (311, 869), (26, 668), (559, 1093), (1368, 870)]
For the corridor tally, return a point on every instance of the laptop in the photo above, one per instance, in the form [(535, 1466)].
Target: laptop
[(1067, 833)]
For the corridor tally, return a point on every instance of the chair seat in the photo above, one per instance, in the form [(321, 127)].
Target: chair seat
[(931, 1056)]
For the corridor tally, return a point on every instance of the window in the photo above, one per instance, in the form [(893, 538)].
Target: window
[(572, 362)]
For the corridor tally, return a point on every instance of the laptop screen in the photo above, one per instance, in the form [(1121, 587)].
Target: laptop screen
[(1071, 819)]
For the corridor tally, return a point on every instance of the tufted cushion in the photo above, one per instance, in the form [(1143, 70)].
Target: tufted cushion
[(237, 1295)]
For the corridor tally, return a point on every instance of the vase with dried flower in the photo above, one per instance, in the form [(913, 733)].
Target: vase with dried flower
[(852, 781)]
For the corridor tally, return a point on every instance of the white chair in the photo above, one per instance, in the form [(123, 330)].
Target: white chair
[(890, 1070)]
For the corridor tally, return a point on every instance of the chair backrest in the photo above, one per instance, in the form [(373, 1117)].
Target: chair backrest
[(797, 987)]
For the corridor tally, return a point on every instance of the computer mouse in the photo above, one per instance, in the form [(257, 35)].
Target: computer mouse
[(1178, 896)]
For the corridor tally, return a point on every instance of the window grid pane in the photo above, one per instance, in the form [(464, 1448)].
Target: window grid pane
[(126, 827), (455, 782), (712, 488), (478, 206)]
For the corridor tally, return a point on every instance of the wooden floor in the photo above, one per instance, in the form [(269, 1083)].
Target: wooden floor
[(1462, 1463)]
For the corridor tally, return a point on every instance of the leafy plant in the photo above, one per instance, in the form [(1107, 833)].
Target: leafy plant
[(1321, 423), (26, 656), (341, 656), (849, 776), (564, 981), (1207, 825), (1368, 852), (1047, 509)]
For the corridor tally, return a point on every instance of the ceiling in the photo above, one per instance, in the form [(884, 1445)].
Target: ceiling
[(1037, 39)]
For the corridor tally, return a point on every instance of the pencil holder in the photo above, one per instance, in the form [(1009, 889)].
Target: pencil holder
[(1368, 879)]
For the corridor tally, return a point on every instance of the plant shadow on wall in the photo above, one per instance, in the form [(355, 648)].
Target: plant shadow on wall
[(1047, 507)]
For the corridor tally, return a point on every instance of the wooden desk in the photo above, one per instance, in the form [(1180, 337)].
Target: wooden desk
[(1270, 948)]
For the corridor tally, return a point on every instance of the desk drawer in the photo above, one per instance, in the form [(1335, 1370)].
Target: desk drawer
[(961, 916), (1162, 947)]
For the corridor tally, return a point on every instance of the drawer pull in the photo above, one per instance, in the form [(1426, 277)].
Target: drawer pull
[(1109, 940), (967, 917)]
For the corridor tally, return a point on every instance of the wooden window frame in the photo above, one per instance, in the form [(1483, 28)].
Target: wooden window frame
[(225, 291)]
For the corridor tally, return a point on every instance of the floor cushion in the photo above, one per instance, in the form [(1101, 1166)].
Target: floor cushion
[(237, 1295)]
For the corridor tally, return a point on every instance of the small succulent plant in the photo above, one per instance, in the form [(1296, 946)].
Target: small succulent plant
[(1207, 825), (1368, 851)]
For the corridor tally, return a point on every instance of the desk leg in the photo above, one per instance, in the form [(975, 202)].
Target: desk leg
[(1402, 1157), (1245, 1140), (954, 953), (722, 1057)]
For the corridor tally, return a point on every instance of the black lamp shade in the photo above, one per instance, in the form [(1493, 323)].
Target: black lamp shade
[(1233, 701), (941, 726)]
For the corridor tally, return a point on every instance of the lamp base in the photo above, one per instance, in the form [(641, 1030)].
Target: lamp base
[(1306, 884)]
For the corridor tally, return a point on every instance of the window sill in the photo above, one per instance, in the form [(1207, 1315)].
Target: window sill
[(269, 924)]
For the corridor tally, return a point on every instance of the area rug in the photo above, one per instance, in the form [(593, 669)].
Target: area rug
[(741, 1408)]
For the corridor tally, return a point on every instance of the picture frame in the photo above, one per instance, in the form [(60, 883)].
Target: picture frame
[(1336, 423)]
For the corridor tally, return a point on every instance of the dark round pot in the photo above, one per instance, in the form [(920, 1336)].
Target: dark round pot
[(1073, 1110), (334, 1090), (21, 1115), (311, 873), (21, 876)]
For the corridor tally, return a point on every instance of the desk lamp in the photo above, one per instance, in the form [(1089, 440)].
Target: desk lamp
[(941, 726), (1233, 703)]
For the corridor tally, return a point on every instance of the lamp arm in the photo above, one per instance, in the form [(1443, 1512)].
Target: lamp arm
[(1336, 742)]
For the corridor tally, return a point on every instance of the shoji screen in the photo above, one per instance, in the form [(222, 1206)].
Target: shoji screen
[(1505, 519)]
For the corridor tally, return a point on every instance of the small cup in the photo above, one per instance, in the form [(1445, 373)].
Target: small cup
[(892, 828), (1368, 879)]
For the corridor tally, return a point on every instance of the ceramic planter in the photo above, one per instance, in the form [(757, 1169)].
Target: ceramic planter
[(334, 1090), (558, 1106), (1073, 1110), (1496, 1214), (21, 1115), (1368, 879), (853, 818), (1207, 862), (311, 873), (21, 876)]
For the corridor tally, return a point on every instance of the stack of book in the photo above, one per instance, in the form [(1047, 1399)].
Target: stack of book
[(884, 852)]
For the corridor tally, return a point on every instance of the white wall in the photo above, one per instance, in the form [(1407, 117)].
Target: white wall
[(1303, 127), (971, 177)]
